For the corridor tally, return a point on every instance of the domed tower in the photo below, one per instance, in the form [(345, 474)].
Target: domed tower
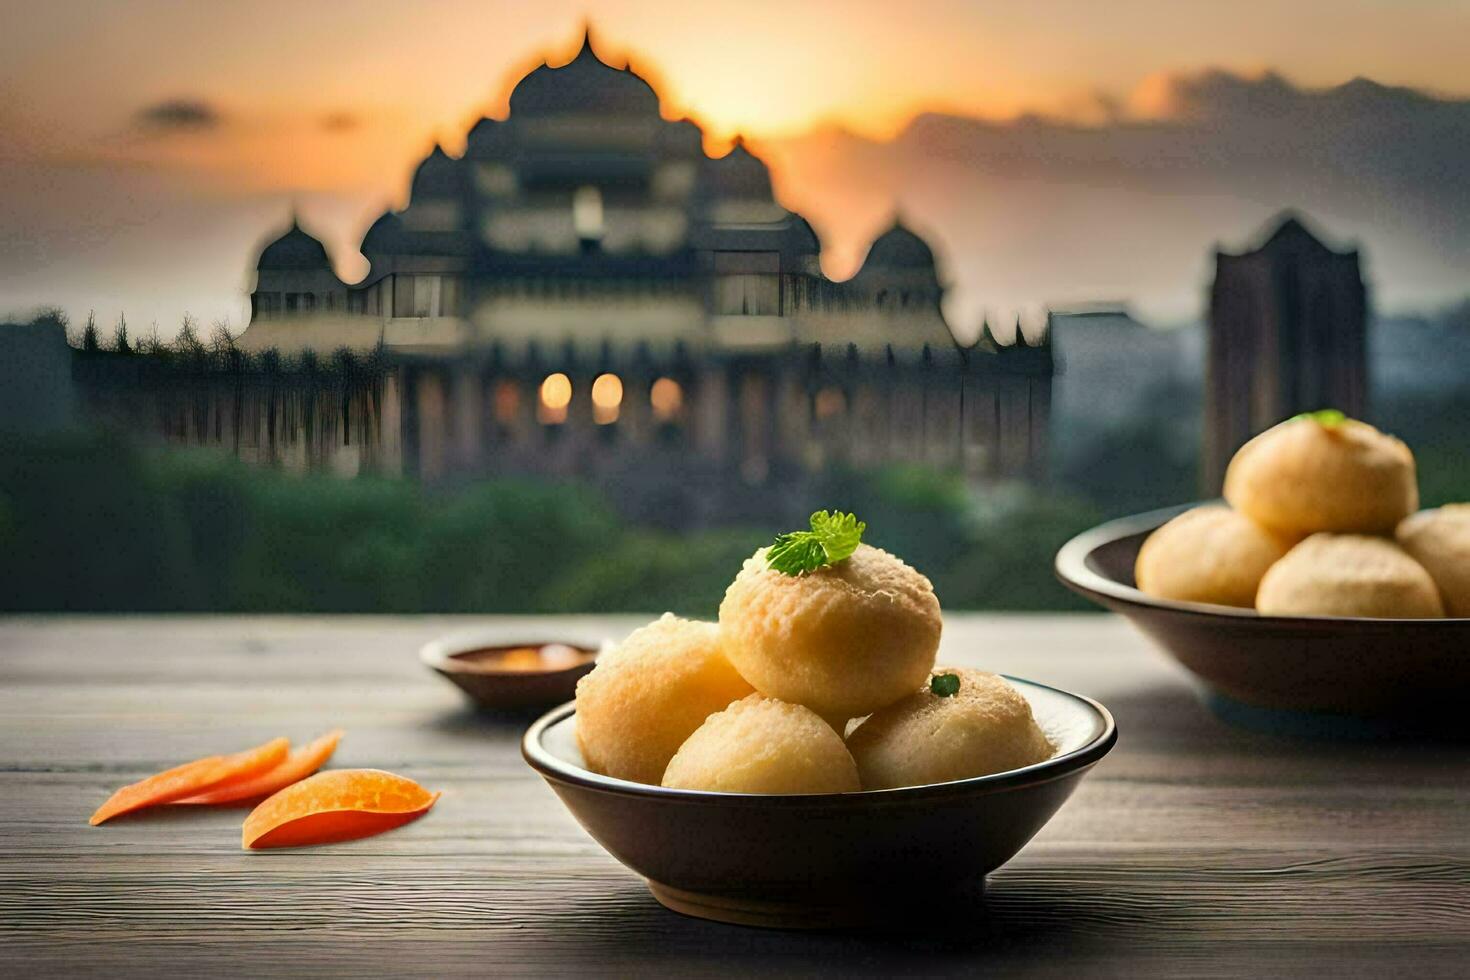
[(584, 163), (900, 258), (384, 237), (436, 200), (586, 85), (738, 177), (752, 244), (294, 277), (899, 283)]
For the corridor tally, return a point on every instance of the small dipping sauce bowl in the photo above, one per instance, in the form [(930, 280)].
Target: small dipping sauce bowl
[(504, 669)]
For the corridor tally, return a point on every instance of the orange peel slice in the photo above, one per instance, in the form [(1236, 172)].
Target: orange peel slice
[(190, 778), (295, 767), (337, 805)]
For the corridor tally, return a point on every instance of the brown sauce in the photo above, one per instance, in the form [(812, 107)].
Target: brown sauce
[(523, 659)]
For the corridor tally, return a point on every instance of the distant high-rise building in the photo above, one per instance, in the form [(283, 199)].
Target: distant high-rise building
[(1287, 334)]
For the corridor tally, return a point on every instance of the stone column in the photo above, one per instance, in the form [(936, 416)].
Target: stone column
[(468, 411), (431, 403), (709, 417), (942, 408), (388, 430)]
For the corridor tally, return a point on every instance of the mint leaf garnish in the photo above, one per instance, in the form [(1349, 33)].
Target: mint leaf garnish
[(1327, 417), (945, 685), (833, 538)]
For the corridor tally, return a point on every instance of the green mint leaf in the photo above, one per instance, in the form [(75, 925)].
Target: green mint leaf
[(833, 538), (794, 553), (839, 533), (1327, 417), (945, 685)]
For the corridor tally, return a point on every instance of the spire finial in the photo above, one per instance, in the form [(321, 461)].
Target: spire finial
[(586, 50)]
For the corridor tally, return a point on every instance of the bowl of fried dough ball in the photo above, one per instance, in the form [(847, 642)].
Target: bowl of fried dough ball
[(1316, 585), (804, 761)]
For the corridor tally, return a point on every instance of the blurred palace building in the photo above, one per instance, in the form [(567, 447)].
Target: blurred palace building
[(585, 290)]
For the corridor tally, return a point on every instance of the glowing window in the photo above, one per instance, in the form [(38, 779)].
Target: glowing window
[(587, 213), (830, 403), (556, 395), (607, 397), (667, 399), (507, 401)]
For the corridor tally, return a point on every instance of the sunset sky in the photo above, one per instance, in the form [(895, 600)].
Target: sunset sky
[(146, 147)]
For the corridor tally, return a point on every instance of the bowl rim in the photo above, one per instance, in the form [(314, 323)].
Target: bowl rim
[(1057, 767), (1071, 569), (442, 652)]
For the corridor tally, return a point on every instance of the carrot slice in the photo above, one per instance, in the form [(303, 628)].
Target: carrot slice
[(190, 778), (300, 764), (337, 805)]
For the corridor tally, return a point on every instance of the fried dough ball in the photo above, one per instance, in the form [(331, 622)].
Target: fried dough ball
[(1440, 541), (842, 640), (1208, 554), (984, 727), (646, 696), (761, 745), (1308, 475), (1348, 575)]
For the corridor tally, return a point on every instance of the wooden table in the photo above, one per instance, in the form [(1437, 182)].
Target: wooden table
[(1193, 849)]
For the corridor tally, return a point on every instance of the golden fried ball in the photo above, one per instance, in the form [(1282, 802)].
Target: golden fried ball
[(1208, 554), (1348, 575), (646, 696), (842, 640), (761, 745), (1307, 475), (985, 727), (1440, 541)]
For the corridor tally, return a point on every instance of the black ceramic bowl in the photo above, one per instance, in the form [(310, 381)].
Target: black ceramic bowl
[(1390, 669), (825, 859)]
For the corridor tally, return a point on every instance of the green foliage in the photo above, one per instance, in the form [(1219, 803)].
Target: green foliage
[(1010, 544), (1326, 417), (919, 513), (654, 571), (89, 333), (90, 523), (833, 537), (945, 685), (120, 343)]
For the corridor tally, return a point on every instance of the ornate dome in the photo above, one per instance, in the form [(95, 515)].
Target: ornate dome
[(899, 248), (738, 175), (485, 138), (437, 176), (804, 235), (586, 84), (294, 250), (384, 234)]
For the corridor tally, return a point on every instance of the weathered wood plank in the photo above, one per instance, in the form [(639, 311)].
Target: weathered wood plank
[(1193, 849)]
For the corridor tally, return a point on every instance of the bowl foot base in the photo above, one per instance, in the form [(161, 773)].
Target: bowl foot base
[(799, 913)]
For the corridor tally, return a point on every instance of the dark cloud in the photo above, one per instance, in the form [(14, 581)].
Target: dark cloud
[(1217, 127), (339, 122), (179, 115), (1136, 201)]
